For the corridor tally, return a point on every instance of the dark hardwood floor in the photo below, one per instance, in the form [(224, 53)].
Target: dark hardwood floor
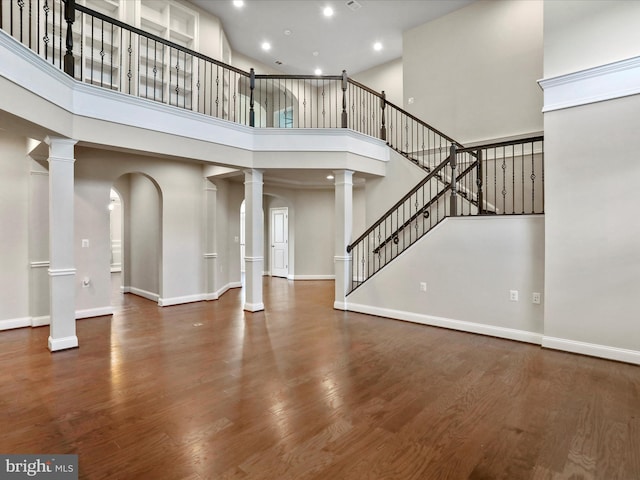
[(302, 391)]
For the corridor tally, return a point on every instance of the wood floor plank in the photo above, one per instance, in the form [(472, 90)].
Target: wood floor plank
[(303, 391)]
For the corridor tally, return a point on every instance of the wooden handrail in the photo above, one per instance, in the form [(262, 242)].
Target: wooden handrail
[(428, 205), (431, 175), (505, 143), (404, 112), (156, 38)]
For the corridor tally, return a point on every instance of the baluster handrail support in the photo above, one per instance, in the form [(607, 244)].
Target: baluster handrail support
[(69, 17)]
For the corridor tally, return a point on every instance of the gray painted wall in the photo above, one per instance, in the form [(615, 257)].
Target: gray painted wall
[(469, 266), (14, 223), (472, 73)]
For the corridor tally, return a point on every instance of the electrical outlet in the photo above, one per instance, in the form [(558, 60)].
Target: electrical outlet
[(423, 286), (535, 298), (85, 243), (513, 295)]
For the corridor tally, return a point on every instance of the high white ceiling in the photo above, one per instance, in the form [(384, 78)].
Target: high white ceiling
[(342, 42)]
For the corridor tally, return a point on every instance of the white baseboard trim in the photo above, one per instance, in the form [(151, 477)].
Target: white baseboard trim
[(40, 321), (167, 302), (253, 307), (461, 325), (15, 323), (339, 305), (115, 269), (311, 277), (221, 291), (94, 312), (141, 293), (63, 343), (124, 289), (592, 349)]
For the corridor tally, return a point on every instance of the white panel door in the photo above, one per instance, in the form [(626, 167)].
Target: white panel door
[(279, 242)]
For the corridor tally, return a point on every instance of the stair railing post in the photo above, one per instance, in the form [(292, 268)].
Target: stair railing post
[(383, 128), (69, 16), (453, 208), (252, 86), (344, 98), (479, 182)]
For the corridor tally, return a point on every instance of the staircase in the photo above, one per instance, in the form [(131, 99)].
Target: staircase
[(505, 178)]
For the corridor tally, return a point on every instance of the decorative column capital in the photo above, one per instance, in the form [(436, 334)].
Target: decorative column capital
[(61, 148)]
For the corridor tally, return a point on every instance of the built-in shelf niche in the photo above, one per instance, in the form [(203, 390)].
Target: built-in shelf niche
[(166, 74)]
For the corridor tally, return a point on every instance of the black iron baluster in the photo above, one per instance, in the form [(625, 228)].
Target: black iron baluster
[(479, 181), (82, 22), (323, 105), (46, 40), (453, 163), (102, 54), (129, 72), (37, 25), (30, 23), (146, 67), (206, 89), (533, 179), (21, 7), (60, 11), (344, 99), (217, 90), (542, 173), (114, 85), (513, 178), (92, 48), (198, 87)]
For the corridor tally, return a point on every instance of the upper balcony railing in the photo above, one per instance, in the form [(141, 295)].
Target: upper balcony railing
[(103, 51)]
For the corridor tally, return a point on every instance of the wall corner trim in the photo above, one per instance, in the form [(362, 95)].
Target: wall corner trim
[(167, 302), (597, 84), (592, 349)]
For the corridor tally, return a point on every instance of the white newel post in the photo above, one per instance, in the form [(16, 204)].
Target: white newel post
[(344, 223), (254, 240), (62, 272)]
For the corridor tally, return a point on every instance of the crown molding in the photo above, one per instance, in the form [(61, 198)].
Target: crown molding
[(598, 84)]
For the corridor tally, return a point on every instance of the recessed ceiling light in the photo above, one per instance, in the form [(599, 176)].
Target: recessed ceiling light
[(238, 3), (330, 177), (317, 71), (266, 46), (377, 46), (328, 12)]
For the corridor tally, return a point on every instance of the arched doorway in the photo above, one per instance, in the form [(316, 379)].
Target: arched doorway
[(141, 235)]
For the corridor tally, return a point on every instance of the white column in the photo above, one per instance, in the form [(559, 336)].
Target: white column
[(210, 250), (62, 272), (344, 225), (254, 240)]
